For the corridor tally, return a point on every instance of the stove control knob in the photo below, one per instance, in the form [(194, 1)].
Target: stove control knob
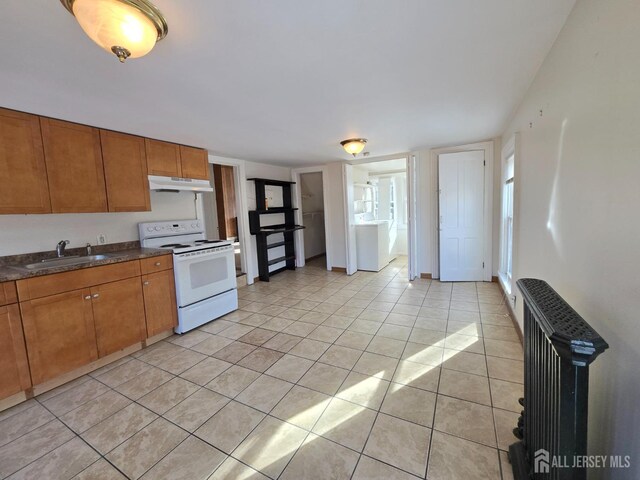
[(157, 229), (149, 229)]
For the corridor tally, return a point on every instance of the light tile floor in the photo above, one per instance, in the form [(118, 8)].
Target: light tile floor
[(317, 376)]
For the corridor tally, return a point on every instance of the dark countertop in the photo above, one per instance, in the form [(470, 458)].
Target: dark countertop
[(118, 252)]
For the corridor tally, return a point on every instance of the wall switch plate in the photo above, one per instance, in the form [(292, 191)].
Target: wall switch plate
[(102, 239)]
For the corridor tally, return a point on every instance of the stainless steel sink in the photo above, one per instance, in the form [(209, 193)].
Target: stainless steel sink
[(63, 262)]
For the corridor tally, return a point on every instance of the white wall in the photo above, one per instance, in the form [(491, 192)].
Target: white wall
[(313, 214), (34, 233), (577, 203)]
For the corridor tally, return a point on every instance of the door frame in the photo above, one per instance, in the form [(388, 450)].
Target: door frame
[(242, 211), (413, 207), (488, 148), (297, 203)]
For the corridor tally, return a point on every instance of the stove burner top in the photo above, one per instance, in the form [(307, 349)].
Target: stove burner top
[(174, 245), (208, 241)]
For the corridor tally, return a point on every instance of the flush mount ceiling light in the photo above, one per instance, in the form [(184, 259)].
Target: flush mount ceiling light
[(128, 28), (354, 145)]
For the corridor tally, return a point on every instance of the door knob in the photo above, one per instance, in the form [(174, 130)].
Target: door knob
[(157, 264), (145, 283), (96, 295), (88, 297)]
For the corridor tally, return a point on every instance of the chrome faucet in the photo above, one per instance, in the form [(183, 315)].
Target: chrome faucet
[(88, 249), (62, 244)]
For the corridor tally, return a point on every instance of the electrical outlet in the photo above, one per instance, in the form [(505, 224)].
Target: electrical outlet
[(102, 239)]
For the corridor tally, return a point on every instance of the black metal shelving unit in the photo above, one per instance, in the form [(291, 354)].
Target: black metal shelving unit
[(263, 232)]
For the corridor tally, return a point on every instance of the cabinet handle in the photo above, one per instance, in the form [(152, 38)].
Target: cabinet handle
[(88, 297), (145, 283), (96, 295), (158, 264)]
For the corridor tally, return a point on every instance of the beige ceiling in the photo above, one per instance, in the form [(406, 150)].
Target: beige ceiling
[(283, 81)]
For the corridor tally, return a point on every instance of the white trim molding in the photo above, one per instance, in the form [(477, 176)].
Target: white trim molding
[(511, 147), (244, 235)]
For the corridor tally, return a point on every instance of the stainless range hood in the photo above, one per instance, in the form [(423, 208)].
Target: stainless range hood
[(176, 184)]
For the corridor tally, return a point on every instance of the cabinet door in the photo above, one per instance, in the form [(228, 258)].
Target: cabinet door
[(118, 312), (195, 163), (22, 171), (125, 171), (59, 334), (73, 157), (160, 302), (163, 158), (14, 374)]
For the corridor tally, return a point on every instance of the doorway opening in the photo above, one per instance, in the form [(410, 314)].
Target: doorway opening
[(380, 213), (313, 217), (221, 211)]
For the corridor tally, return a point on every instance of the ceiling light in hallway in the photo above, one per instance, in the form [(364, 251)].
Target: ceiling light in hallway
[(354, 145), (128, 28)]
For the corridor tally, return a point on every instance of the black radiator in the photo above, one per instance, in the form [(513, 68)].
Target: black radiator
[(558, 348)]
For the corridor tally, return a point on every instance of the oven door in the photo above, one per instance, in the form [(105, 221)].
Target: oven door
[(202, 275)]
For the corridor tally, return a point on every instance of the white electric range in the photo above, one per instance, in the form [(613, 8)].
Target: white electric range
[(205, 271)]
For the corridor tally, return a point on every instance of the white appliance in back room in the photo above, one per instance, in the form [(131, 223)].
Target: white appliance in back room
[(205, 271)]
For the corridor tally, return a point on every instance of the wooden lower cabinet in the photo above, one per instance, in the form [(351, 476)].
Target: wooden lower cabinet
[(118, 315), (159, 301), (59, 333), (14, 374), (64, 331)]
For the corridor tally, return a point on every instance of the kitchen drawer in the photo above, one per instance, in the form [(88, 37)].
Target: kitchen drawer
[(156, 264), (46, 285), (8, 293)]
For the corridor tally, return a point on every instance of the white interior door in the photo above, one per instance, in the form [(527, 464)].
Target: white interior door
[(350, 221), (461, 185)]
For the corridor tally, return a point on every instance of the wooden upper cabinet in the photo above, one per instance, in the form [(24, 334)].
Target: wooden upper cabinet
[(195, 163), (22, 170), (163, 158), (118, 312), (59, 334), (14, 374), (125, 171), (73, 157)]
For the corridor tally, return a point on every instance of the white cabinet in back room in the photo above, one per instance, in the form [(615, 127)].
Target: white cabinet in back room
[(372, 244)]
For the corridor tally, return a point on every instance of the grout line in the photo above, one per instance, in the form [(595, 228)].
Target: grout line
[(435, 407)]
